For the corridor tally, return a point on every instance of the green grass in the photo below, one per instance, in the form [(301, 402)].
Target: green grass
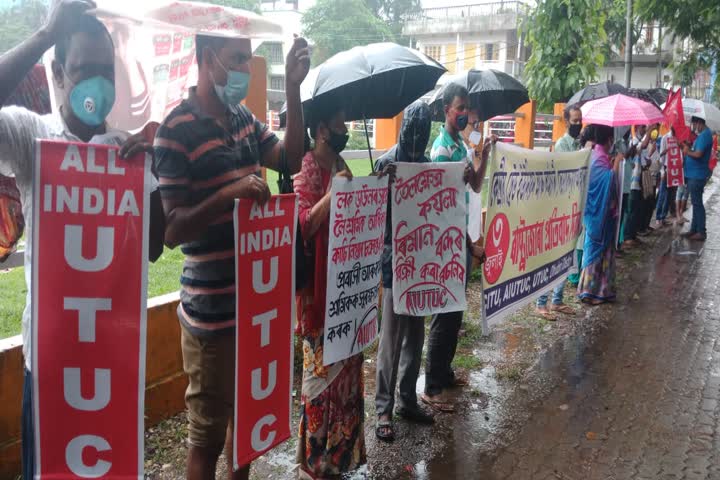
[(163, 275)]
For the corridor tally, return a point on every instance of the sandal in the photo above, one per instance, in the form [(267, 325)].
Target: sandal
[(563, 309), (416, 414), (546, 314), (438, 405), (384, 430)]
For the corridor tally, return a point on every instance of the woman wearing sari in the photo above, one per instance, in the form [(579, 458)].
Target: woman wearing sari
[(332, 437), (597, 278)]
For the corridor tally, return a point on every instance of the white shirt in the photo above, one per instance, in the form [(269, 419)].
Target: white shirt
[(19, 128)]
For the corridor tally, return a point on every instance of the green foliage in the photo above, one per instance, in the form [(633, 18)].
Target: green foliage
[(564, 36), (394, 12), (338, 25), (249, 5), (698, 20), (20, 21)]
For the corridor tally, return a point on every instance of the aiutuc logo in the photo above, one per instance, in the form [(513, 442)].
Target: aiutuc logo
[(496, 247)]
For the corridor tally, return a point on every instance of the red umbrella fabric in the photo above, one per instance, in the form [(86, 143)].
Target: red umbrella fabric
[(621, 110)]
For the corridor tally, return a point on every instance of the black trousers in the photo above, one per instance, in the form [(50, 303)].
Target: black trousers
[(635, 215)]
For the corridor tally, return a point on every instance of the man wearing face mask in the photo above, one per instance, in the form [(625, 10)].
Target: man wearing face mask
[(567, 143), (209, 151), (401, 336), (445, 327), (697, 172), (83, 73)]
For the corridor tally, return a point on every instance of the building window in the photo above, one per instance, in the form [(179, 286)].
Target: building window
[(511, 52), (433, 51), (273, 53), (277, 82), (490, 52)]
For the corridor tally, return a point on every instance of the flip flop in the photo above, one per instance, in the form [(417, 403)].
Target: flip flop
[(546, 314), (438, 405), (385, 426), (415, 415), (563, 309)]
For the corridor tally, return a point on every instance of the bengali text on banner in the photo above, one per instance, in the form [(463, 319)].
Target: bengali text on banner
[(534, 217), (89, 284), (265, 272), (358, 211), (428, 232)]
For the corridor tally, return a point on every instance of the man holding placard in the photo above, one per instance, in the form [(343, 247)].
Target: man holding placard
[(209, 152), (83, 72)]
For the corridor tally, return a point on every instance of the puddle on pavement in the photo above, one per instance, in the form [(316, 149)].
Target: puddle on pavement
[(682, 247)]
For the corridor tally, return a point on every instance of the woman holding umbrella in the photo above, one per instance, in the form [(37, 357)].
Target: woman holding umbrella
[(332, 438), (597, 278)]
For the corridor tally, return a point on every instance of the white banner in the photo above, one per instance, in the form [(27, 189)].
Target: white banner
[(357, 225), (429, 248)]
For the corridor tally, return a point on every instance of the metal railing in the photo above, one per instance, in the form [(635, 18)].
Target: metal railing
[(474, 10)]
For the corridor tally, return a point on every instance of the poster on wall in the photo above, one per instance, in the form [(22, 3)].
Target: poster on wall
[(89, 282), (358, 210)]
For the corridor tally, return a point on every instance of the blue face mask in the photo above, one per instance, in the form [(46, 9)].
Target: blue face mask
[(236, 88), (92, 99)]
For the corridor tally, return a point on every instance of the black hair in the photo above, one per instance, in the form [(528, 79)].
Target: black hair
[(570, 108), (603, 133), (210, 41), (697, 119), (321, 115), (84, 24), (587, 134), (451, 92)]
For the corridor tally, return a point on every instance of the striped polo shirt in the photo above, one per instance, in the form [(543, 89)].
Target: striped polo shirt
[(195, 157)]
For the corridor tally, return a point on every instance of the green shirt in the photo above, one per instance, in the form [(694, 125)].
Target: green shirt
[(566, 143), (445, 149)]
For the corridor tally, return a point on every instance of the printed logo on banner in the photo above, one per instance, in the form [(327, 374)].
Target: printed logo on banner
[(358, 214), (90, 255), (265, 273), (675, 174), (496, 247), (429, 231)]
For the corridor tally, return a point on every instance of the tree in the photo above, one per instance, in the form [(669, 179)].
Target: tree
[(337, 25), (563, 36), (20, 21), (395, 12)]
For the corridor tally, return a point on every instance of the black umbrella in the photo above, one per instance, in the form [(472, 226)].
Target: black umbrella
[(374, 81), (492, 93), (659, 95), (595, 91)]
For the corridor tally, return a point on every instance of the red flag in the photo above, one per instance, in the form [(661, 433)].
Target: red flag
[(674, 117)]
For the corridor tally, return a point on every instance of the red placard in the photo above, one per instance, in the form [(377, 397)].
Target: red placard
[(89, 284), (265, 273), (675, 176)]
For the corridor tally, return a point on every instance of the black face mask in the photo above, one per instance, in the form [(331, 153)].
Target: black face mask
[(338, 141), (574, 130)]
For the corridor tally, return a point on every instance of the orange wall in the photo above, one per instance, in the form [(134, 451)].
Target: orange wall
[(525, 125), (387, 131)]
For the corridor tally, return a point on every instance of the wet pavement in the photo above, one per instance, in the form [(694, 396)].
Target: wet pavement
[(623, 391)]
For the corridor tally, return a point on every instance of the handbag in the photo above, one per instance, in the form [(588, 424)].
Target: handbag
[(302, 260)]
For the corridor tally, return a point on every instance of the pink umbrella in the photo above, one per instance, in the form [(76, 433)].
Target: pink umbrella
[(620, 110)]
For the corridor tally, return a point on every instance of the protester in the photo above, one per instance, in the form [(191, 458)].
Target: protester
[(666, 194), (651, 179), (209, 151), (567, 143), (332, 436), (597, 279), (635, 205), (697, 173), (83, 72), (401, 336), (445, 327)]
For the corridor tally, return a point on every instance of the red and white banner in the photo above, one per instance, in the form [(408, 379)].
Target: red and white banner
[(265, 272), (89, 284), (675, 176)]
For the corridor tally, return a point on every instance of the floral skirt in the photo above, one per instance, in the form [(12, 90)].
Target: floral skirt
[(332, 412), (597, 281)]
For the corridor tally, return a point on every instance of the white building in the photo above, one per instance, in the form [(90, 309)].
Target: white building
[(288, 13), (482, 35)]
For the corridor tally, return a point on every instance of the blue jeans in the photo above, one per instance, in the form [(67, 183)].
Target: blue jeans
[(662, 202), (557, 298), (696, 186), (28, 429)]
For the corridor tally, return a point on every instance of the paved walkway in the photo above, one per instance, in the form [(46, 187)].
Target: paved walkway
[(640, 402)]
